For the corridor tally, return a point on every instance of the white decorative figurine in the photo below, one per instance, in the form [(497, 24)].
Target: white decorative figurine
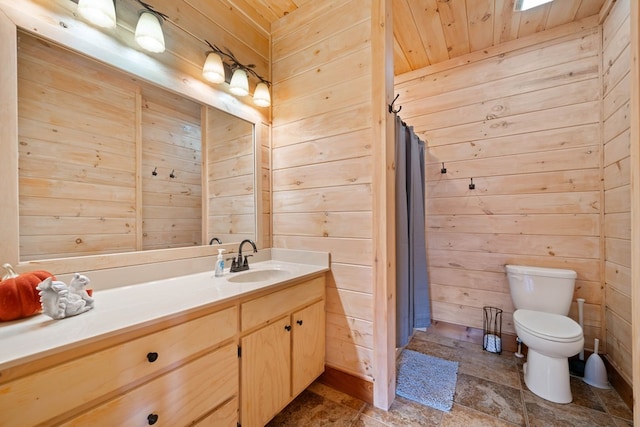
[(59, 300)]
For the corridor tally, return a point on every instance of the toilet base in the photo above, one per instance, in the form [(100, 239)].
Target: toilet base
[(548, 377)]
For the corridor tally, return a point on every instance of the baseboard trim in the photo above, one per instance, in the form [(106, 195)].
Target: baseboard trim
[(617, 381), (347, 383)]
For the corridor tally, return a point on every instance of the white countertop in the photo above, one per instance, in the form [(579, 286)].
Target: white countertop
[(126, 308)]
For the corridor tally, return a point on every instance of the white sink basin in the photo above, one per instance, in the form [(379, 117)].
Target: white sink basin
[(258, 276)]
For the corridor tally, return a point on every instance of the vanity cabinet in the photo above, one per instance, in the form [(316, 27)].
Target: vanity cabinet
[(155, 374), (282, 348), (242, 360)]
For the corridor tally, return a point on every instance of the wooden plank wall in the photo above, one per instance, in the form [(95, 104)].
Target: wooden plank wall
[(171, 146), (524, 123), (231, 180), (322, 162), (77, 155), (617, 212)]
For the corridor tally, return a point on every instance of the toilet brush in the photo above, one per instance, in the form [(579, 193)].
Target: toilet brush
[(595, 373), (581, 322), (576, 366)]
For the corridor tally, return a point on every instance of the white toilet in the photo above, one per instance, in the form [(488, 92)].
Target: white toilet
[(542, 298)]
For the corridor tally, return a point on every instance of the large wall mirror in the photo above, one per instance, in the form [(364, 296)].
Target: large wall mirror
[(110, 164), (104, 168)]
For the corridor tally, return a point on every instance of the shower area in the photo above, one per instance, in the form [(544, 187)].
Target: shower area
[(412, 283)]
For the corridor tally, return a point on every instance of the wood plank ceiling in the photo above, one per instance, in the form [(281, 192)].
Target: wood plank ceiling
[(427, 32)]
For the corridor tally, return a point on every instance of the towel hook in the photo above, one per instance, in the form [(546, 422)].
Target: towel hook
[(391, 110), (154, 172), (472, 186), (172, 174), (443, 170)]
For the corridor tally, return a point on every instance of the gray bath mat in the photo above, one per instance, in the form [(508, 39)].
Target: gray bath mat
[(427, 379)]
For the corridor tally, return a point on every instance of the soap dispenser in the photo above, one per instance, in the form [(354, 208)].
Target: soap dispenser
[(220, 264)]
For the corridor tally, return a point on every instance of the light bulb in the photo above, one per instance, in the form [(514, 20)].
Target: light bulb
[(261, 96), (99, 12), (213, 69), (149, 33), (239, 83)]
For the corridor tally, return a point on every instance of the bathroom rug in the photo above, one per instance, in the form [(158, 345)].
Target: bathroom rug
[(426, 379)]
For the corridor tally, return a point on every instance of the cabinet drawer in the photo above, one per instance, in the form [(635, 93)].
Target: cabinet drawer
[(224, 416), (38, 397), (177, 398), (263, 309)]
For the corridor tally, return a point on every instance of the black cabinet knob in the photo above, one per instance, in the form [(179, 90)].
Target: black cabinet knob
[(152, 419), (288, 327), (152, 356), (299, 322)]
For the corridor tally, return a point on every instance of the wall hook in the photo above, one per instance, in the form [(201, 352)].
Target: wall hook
[(391, 110), (155, 171), (443, 170), (472, 186), (172, 174)]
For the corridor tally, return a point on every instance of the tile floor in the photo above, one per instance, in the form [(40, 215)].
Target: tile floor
[(490, 392)]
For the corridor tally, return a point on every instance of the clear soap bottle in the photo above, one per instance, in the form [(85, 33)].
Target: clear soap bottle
[(220, 264)]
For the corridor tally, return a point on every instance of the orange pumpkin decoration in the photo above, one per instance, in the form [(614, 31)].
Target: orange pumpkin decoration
[(18, 294)]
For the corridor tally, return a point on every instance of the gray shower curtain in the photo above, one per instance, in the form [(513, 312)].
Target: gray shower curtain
[(413, 307)]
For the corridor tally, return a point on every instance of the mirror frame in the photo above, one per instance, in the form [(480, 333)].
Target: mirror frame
[(60, 26)]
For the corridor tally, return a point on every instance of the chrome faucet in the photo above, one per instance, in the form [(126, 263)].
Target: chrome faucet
[(242, 264)]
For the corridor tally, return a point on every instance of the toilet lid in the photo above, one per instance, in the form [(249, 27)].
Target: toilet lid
[(550, 326)]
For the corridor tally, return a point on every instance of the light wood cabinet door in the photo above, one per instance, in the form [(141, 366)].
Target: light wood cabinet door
[(265, 372), (307, 354)]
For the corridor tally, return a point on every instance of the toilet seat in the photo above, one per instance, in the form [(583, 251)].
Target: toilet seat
[(549, 326)]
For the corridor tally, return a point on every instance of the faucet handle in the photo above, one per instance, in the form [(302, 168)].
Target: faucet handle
[(246, 262)]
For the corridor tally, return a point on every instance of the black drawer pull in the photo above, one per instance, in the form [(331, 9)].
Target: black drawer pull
[(152, 419), (288, 327), (152, 356), (299, 322)]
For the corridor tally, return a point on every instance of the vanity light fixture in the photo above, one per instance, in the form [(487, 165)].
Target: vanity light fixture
[(99, 12), (522, 5), (239, 84), (149, 36), (261, 96), (149, 30), (213, 69)]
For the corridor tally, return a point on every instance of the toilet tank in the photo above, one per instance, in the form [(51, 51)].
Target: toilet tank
[(541, 289)]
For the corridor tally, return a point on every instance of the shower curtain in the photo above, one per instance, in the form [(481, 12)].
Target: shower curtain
[(413, 307)]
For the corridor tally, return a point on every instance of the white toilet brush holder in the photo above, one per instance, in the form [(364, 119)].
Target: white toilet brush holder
[(595, 373)]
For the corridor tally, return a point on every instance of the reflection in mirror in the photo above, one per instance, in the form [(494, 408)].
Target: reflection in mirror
[(171, 146), (108, 164), (231, 177)]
